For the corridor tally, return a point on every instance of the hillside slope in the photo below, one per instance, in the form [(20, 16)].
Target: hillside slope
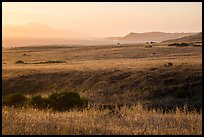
[(192, 38), (108, 75), (161, 86), (150, 36)]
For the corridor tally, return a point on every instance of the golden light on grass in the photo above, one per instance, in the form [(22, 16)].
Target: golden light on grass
[(135, 121)]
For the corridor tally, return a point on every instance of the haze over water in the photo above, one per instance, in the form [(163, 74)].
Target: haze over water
[(34, 23), (19, 42)]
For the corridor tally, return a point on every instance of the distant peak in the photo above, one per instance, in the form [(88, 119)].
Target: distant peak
[(132, 33)]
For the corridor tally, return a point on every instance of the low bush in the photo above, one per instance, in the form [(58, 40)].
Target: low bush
[(197, 45), (168, 64), (179, 44), (60, 101), (148, 46), (37, 101), (183, 44), (65, 100), (14, 99), (20, 62), (50, 62)]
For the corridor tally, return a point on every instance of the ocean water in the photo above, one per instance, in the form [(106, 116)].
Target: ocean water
[(22, 42)]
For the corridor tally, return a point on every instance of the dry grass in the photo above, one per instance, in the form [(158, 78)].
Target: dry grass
[(159, 86), (91, 121), (104, 74)]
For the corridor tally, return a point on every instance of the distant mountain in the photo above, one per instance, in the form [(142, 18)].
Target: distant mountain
[(192, 38), (38, 30), (150, 36)]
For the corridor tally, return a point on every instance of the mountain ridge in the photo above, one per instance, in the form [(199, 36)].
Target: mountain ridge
[(151, 36)]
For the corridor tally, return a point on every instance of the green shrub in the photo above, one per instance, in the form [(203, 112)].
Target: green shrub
[(179, 44), (14, 99), (65, 100), (38, 102), (57, 101)]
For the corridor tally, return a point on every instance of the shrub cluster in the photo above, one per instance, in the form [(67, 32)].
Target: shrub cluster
[(60, 101), (148, 46), (169, 64), (50, 61), (15, 99), (65, 100), (179, 44), (37, 101), (197, 45), (20, 62)]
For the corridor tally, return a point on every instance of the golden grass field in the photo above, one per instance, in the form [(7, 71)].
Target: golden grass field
[(135, 121), (120, 75)]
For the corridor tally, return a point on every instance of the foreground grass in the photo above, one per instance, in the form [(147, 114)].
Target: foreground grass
[(133, 120)]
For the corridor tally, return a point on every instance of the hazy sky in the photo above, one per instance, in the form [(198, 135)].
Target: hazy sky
[(103, 19)]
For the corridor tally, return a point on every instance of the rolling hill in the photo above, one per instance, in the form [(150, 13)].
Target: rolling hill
[(150, 36), (192, 38)]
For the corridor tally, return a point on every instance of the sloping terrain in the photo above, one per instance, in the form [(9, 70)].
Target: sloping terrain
[(187, 39), (151, 36), (167, 86), (157, 76)]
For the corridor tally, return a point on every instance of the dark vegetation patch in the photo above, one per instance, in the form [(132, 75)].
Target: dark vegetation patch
[(168, 64), (148, 46), (20, 62), (66, 100), (60, 101), (49, 62), (153, 68), (42, 62), (179, 44), (37, 101), (15, 99), (197, 45)]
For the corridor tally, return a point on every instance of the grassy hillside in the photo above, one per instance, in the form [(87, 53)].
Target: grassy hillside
[(187, 39), (160, 76), (150, 36)]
